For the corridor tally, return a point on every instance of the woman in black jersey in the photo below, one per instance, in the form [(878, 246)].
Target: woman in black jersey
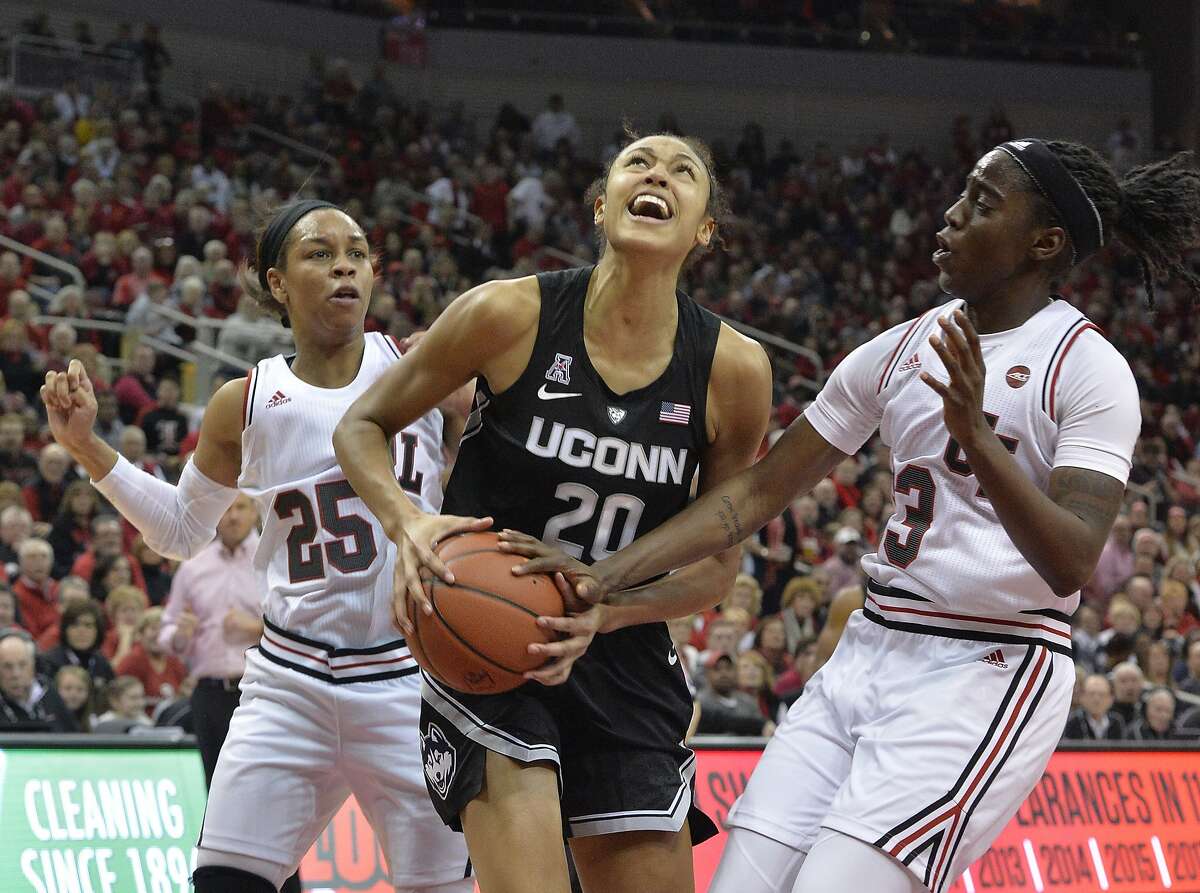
[(601, 392)]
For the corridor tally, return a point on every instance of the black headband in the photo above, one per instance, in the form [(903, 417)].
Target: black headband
[(277, 233), (1076, 210)]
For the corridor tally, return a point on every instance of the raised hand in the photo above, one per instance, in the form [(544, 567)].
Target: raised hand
[(70, 405), (962, 396)]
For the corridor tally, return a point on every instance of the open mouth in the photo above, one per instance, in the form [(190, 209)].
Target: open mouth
[(344, 295), (649, 207), (942, 251)]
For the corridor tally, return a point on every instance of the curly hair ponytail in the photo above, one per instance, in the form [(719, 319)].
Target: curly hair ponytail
[(1154, 210)]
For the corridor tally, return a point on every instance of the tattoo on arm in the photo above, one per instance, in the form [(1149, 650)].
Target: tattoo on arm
[(730, 521), (1092, 496)]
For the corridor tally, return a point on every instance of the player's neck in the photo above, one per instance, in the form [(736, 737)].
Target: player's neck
[(326, 366), (626, 296), (1008, 310)]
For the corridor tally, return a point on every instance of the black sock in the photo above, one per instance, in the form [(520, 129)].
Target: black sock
[(221, 879)]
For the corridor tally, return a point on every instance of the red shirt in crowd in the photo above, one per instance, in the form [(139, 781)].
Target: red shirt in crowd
[(38, 605), (159, 684), (85, 566)]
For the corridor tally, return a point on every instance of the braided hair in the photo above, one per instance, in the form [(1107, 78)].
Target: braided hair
[(1154, 210)]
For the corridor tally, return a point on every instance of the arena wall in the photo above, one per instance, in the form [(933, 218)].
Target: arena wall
[(844, 98)]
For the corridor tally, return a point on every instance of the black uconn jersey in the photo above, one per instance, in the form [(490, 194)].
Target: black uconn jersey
[(562, 457)]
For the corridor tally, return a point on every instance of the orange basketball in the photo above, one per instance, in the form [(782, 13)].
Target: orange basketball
[(477, 638)]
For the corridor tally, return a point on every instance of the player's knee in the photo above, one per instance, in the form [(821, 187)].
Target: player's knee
[(223, 879)]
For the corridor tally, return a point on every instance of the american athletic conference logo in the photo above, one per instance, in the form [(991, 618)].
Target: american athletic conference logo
[(560, 369), (441, 759)]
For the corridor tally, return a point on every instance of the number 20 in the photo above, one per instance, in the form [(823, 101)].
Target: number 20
[(585, 511)]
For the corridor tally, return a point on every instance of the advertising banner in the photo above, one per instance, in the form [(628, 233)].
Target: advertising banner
[(102, 821), (124, 820)]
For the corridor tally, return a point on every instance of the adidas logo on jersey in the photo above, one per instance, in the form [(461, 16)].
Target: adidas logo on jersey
[(996, 659), (278, 399), (913, 362)]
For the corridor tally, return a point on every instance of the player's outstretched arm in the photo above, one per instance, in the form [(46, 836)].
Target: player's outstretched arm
[(175, 521), (474, 336)]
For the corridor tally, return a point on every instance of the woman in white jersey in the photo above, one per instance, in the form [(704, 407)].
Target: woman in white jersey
[(330, 698), (1011, 422)]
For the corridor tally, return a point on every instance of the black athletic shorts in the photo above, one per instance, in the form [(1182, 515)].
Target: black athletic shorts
[(613, 730)]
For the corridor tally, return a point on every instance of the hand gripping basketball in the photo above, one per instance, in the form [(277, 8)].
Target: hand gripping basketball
[(417, 563), (587, 588)]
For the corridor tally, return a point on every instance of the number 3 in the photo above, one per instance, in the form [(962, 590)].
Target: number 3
[(917, 518)]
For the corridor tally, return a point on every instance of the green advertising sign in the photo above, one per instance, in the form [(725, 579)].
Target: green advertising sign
[(78, 820)]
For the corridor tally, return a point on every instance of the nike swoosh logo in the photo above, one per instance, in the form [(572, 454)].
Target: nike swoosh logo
[(672, 657), (554, 395)]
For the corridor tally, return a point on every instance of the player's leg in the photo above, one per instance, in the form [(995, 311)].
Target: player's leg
[(839, 862), (753, 863), (280, 755), (953, 736), (381, 760), (466, 885), (491, 770), (641, 861), (514, 828)]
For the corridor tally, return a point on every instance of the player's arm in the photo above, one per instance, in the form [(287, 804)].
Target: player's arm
[(1059, 532), (740, 404), (480, 333), (174, 521)]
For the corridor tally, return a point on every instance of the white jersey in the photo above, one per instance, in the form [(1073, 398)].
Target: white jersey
[(323, 559), (1056, 392)]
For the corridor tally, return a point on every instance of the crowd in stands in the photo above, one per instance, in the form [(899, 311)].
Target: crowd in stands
[(1076, 31), (825, 248)]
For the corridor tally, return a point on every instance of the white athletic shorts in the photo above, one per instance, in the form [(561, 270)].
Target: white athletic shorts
[(922, 745), (298, 746)]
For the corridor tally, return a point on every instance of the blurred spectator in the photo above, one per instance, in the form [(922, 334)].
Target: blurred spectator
[(251, 333), (724, 710), (35, 590), (125, 606), (45, 491), (213, 615), (1086, 638), (108, 541), (81, 631), (137, 280), (28, 702), (1115, 564), (801, 597), (74, 686), (132, 446), (8, 607), (555, 123), (155, 58), (1095, 720), (160, 673), (1157, 722), (164, 424), (843, 566), (71, 103), (71, 531), (16, 463), (71, 591), (108, 426), (770, 641), (127, 707), (755, 678), (16, 526), (145, 318), (1128, 685), (155, 570), (1191, 682)]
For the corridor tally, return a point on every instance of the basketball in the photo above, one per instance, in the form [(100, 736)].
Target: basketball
[(476, 640)]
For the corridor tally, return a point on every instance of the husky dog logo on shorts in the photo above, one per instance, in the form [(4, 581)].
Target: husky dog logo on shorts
[(440, 759), (560, 369)]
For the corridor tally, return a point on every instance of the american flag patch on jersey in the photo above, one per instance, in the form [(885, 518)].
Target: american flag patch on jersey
[(675, 413)]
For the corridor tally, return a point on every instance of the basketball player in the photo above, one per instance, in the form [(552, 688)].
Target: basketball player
[(602, 390), (330, 696), (1011, 422)]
